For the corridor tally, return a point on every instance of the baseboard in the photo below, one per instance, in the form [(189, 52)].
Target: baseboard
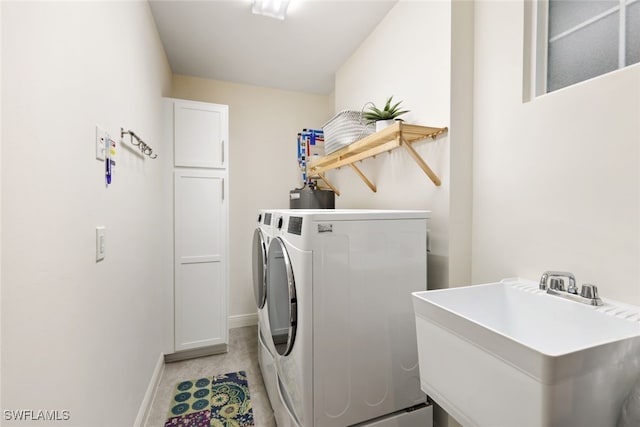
[(147, 401), (196, 352), (240, 320)]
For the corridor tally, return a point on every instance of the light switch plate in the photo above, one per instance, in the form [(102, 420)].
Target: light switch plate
[(100, 243), (101, 140)]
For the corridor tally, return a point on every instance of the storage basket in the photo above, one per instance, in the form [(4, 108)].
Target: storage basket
[(344, 128)]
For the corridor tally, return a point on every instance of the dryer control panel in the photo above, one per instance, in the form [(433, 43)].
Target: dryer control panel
[(295, 225)]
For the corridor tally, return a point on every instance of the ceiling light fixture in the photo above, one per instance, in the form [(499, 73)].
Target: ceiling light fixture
[(271, 8)]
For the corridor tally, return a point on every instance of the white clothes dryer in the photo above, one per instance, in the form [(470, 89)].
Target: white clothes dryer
[(262, 236), (341, 320)]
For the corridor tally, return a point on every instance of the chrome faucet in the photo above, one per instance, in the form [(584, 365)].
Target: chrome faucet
[(553, 283)]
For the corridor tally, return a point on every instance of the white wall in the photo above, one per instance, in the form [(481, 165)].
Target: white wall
[(461, 137), (0, 206), (408, 56), (79, 335), (556, 180), (263, 124)]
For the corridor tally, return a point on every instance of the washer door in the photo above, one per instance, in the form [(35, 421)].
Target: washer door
[(281, 297), (259, 267)]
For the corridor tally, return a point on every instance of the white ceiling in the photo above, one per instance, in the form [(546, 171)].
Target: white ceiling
[(223, 40)]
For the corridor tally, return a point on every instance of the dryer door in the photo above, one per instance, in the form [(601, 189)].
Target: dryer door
[(281, 297), (259, 266)]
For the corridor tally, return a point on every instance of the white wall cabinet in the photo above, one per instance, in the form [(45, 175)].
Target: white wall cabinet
[(199, 306), (200, 134)]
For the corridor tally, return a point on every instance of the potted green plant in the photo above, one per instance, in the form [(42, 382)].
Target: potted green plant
[(386, 116)]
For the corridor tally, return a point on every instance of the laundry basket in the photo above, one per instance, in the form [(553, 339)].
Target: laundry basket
[(344, 128)]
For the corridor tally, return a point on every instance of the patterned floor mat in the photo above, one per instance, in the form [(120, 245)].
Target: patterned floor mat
[(220, 401)]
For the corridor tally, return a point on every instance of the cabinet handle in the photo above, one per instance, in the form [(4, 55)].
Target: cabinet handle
[(222, 183), (222, 149)]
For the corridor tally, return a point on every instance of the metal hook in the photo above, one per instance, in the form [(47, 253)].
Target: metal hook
[(144, 148)]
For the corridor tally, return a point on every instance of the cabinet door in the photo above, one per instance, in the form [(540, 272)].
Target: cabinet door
[(200, 134), (200, 259)]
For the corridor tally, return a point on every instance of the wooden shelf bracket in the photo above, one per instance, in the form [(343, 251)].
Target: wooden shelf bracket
[(329, 184), (416, 157), (362, 176)]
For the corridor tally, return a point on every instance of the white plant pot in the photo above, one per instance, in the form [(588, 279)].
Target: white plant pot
[(381, 124)]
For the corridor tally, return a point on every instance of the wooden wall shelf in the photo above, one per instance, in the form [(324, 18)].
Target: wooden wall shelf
[(397, 135)]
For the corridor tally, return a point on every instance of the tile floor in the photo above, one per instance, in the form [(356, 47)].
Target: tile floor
[(242, 356)]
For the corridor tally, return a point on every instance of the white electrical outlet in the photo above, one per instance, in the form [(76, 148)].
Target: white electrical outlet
[(100, 243), (101, 142)]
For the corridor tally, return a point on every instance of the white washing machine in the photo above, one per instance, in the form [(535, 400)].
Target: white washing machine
[(339, 286), (262, 236)]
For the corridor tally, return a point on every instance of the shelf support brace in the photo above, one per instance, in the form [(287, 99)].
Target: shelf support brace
[(421, 163), (362, 176), (331, 186)]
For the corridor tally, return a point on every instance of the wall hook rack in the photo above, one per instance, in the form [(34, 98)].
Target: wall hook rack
[(143, 146)]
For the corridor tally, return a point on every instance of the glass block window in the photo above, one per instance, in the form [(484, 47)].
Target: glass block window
[(588, 38)]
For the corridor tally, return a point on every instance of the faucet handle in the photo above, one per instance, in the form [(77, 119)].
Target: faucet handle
[(557, 284), (589, 291)]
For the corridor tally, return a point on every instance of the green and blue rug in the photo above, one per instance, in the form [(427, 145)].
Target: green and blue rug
[(219, 401)]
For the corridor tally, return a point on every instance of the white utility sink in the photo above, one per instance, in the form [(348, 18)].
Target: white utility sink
[(510, 355)]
